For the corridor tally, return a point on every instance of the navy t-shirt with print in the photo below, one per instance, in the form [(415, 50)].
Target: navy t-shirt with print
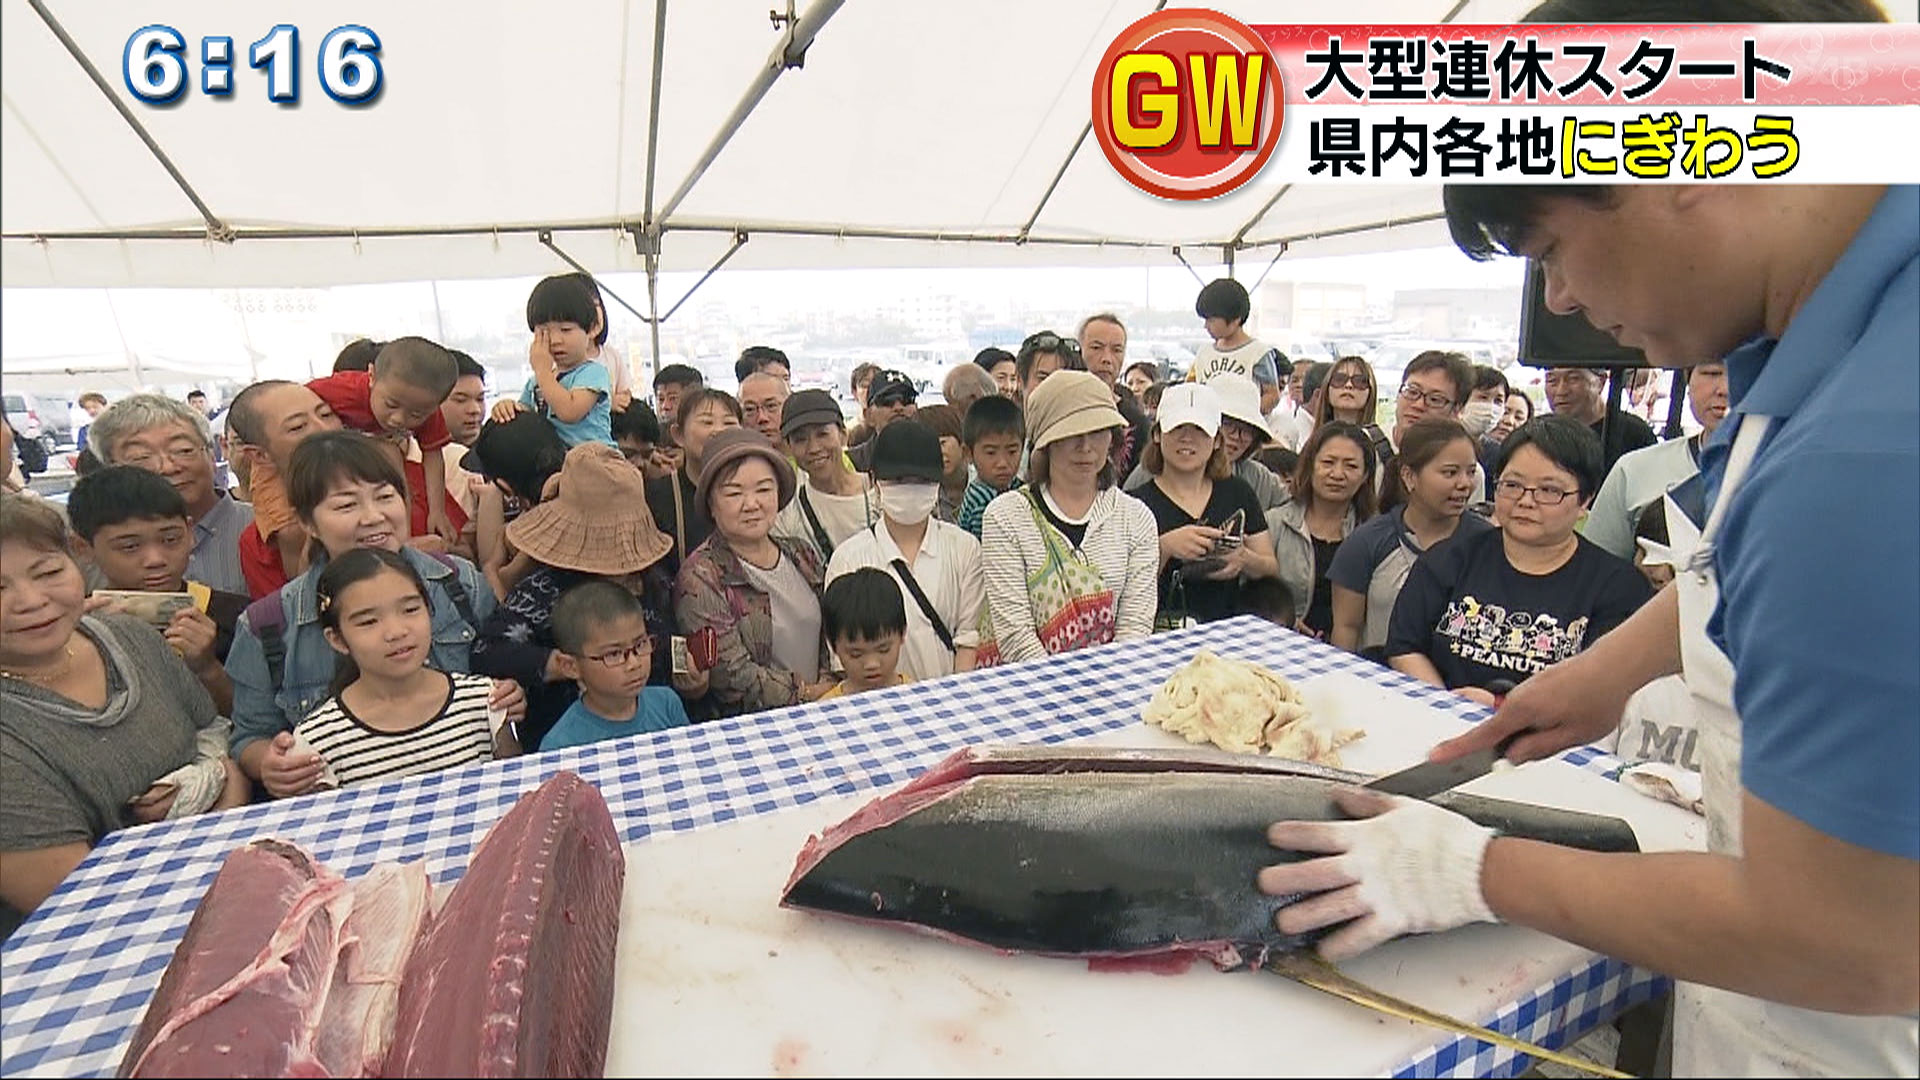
[(1478, 619), (1206, 600)]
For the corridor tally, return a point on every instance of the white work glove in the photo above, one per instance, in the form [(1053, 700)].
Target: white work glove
[(1403, 867)]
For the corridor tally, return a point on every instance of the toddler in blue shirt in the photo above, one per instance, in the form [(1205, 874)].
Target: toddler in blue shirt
[(604, 647)]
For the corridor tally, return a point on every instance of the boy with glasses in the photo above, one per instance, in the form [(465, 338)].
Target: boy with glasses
[(604, 647)]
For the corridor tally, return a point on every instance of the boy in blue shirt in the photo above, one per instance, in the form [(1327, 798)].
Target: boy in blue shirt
[(993, 431), (601, 631), (573, 392)]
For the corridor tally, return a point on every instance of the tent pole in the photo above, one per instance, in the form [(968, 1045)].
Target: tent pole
[(1270, 265), (791, 52), (653, 306), (216, 228), (546, 238), (653, 107), (1188, 265), (739, 238)]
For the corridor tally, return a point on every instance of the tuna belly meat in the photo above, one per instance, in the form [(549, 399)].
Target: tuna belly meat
[(514, 977), (262, 1020), (390, 910)]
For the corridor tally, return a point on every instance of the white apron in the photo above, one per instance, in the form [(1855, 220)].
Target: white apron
[(1717, 1032)]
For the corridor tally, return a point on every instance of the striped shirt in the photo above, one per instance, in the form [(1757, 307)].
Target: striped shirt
[(973, 504), (459, 734), (215, 561)]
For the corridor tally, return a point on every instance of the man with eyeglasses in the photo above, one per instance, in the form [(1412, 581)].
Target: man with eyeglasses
[(171, 438), (1581, 394), (1435, 384)]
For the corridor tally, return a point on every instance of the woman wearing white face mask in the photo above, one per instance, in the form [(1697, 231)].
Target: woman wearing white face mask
[(935, 563)]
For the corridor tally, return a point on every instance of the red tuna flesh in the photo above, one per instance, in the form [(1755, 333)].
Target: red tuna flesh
[(515, 975), (243, 994)]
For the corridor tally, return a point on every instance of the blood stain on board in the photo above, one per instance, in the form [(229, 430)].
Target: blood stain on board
[(789, 1056)]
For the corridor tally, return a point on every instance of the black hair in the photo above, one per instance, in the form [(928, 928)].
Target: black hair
[(562, 298), (636, 423), (523, 453), (1223, 298), (1150, 397), (1151, 367), (86, 462), (692, 400), (350, 569), (1421, 443), (1048, 343), (678, 375), (1316, 378), (599, 306), (1365, 501), (1566, 442), (991, 357), (356, 355), (1455, 366), (243, 421), (863, 605), (465, 365), (993, 416), (1487, 378), (587, 607), (1494, 219), (756, 358), (1270, 599), (322, 459), (196, 392), (115, 493), (419, 363), (1279, 460)]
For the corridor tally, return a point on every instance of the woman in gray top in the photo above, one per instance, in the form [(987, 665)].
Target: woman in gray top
[(101, 724)]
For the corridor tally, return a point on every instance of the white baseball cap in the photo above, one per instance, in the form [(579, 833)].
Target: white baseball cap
[(1189, 403), (1239, 400)]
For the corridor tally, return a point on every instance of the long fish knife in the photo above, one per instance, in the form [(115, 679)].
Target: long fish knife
[(1430, 778)]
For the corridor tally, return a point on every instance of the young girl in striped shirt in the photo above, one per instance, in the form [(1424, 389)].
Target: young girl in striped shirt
[(390, 715)]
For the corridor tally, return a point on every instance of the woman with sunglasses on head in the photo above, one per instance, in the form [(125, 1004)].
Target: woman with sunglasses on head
[(1332, 493), (1497, 607)]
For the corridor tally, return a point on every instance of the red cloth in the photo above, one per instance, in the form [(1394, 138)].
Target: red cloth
[(260, 564), (350, 395), (417, 484)]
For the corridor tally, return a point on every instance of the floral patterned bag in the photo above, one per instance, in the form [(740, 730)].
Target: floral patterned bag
[(1072, 606)]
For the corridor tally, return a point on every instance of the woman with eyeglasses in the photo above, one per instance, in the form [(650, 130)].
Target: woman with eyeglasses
[(1332, 493), (1498, 607)]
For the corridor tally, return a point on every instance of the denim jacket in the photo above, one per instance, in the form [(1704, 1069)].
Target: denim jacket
[(260, 713)]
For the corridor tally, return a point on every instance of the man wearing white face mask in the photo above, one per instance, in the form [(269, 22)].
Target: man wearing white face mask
[(936, 563)]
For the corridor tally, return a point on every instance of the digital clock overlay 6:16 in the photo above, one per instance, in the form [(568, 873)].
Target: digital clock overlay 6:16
[(155, 65)]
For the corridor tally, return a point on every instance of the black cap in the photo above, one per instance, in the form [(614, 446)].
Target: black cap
[(809, 407), (907, 450), (891, 385)]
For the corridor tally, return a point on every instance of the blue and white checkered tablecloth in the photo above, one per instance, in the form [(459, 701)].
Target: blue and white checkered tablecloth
[(75, 978)]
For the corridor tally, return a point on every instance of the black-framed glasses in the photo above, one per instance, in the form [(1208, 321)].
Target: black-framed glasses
[(1410, 393), (620, 657), (1355, 379), (1544, 494)]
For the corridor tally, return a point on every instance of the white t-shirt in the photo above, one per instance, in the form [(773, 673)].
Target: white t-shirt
[(796, 616), (840, 516), (1658, 725), (1255, 360), (622, 371), (947, 569), (1290, 424)]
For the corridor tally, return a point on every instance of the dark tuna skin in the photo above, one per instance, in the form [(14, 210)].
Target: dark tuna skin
[(1093, 855)]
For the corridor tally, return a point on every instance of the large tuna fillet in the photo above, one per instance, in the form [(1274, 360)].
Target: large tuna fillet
[(515, 975), (243, 994), (391, 903), (1133, 855)]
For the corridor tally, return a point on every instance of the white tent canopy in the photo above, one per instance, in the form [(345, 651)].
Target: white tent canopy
[(914, 134)]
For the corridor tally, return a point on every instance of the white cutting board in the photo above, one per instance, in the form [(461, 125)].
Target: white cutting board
[(714, 978)]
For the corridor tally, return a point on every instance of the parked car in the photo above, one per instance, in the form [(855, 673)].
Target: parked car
[(40, 418)]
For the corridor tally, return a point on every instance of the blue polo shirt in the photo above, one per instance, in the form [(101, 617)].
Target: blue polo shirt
[(1819, 553)]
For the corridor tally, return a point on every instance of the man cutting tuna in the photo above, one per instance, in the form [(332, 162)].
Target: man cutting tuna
[(1796, 936)]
